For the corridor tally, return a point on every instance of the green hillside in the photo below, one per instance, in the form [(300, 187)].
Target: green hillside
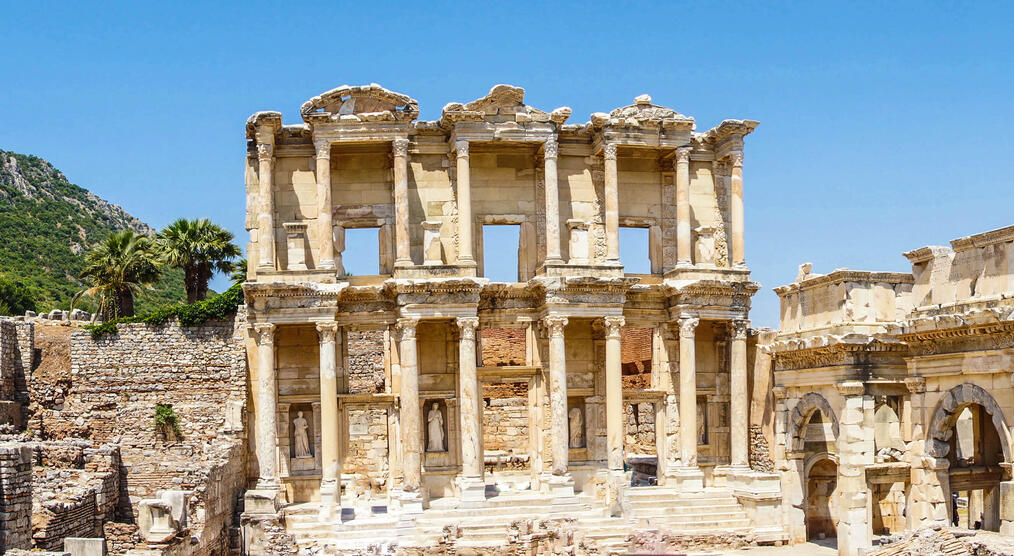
[(47, 224)]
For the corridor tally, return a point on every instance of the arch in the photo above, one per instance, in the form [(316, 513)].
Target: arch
[(949, 408), (800, 416)]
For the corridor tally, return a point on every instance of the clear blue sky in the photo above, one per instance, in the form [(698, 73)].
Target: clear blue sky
[(882, 129)]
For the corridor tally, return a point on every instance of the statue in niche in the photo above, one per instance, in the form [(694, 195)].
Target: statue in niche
[(702, 425), (435, 420), (576, 428), (705, 245), (301, 438)]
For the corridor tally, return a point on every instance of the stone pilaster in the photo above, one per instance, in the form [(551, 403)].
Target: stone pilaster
[(688, 476), (411, 495), (855, 452), (736, 210), (552, 202), (684, 245), (325, 226), (559, 482), (612, 204), (267, 400), (330, 490), (465, 255), (403, 254), (471, 483), (614, 394), (740, 401), (266, 192)]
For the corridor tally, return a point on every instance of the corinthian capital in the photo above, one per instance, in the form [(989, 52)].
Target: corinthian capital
[(265, 151), (555, 324), (551, 148), (739, 328), (609, 151), (399, 147), (613, 325), (736, 158), (682, 156), (688, 325), (323, 147), (468, 326), (407, 327), (461, 149), (327, 330), (265, 333)]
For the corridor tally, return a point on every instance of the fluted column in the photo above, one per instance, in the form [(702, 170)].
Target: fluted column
[(736, 210), (266, 192), (403, 254), (740, 424), (325, 234), (464, 203), (684, 245), (558, 394), (411, 431), (612, 204), (688, 392), (614, 394), (330, 490), (552, 202), (267, 401), (471, 484)]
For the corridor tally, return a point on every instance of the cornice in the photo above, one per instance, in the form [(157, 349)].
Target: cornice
[(845, 275)]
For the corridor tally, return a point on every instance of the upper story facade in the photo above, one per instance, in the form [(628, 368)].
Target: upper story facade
[(362, 159)]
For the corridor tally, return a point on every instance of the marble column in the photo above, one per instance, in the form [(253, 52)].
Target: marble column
[(559, 479), (402, 254), (325, 233), (471, 484), (614, 394), (684, 243), (740, 423), (736, 210), (464, 204), (688, 476), (552, 203), (267, 400), (410, 416), (330, 491), (266, 192), (612, 204)]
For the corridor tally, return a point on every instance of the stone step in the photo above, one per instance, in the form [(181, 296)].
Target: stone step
[(722, 525), (677, 507), (517, 511)]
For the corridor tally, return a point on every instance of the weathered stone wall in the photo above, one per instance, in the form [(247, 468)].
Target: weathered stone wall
[(503, 346), (639, 428), (365, 361), (505, 418), (15, 496), (16, 352), (367, 455)]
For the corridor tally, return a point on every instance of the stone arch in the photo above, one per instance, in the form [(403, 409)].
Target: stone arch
[(949, 408), (800, 416)]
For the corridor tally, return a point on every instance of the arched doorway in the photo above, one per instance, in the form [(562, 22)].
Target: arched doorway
[(821, 499)]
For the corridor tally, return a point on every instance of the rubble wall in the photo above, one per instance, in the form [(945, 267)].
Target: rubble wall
[(365, 361), (15, 496)]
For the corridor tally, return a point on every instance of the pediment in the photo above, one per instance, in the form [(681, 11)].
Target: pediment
[(360, 103), (503, 103), (641, 114)]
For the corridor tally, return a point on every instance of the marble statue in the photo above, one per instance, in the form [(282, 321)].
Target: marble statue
[(436, 429), (302, 439), (576, 428)]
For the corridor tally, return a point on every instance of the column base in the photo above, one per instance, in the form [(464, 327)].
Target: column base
[(262, 501), (408, 502), (330, 504), (559, 487), (686, 479), (471, 492), (327, 265)]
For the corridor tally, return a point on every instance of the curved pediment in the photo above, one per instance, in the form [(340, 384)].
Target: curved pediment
[(360, 103), (641, 114), (503, 103)]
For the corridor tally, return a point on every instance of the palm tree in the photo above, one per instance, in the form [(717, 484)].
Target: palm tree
[(239, 271), (116, 270), (200, 248)]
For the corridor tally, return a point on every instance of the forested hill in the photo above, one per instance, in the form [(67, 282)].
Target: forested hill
[(46, 226)]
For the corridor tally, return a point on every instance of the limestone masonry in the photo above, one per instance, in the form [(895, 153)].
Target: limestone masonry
[(420, 407)]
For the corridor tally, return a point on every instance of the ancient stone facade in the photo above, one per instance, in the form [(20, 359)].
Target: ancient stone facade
[(892, 392)]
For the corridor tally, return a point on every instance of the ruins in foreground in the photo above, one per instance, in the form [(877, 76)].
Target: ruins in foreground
[(578, 407)]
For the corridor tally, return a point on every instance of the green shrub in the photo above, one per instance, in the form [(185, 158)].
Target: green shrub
[(166, 422), (15, 298), (195, 314)]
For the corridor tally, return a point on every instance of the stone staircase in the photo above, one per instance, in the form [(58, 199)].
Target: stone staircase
[(713, 510)]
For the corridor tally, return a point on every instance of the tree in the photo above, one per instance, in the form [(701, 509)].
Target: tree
[(239, 271), (116, 270), (200, 248), (15, 298)]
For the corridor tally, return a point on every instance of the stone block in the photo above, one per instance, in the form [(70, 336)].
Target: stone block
[(260, 501), (77, 546)]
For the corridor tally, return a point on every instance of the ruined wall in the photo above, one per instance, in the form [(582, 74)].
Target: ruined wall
[(365, 463), (505, 418), (639, 428), (16, 352), (365, 361), (15, 496)]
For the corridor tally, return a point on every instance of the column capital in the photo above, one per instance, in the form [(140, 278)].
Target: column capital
[(915, 384), (851, 388), (407, 327), (688, 325), (399, 147), (736, 158), (265, 151), (467, 326), (609, 151), (551, 148), (323, 148), (327, 331), (555, 324), (461, 148), (738, 328), (613, 325), (682, 156), (265, 333)]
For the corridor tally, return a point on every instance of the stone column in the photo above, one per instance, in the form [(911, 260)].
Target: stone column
[(614, 394), (740, 423), (612, 205), (688, 476), (559, 482), (411, 431), (684, 245), (736, 210), (552, 203), (330, 490), (325, 234), (855, 452), (267, 400), (471, 483), (266, 210), (402, 254), (464, 204)]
